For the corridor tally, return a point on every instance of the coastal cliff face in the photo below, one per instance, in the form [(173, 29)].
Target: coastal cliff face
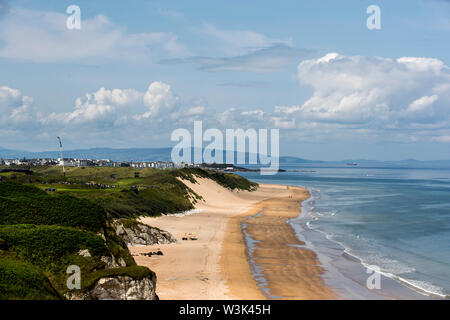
[(138, 234), (119, 288)]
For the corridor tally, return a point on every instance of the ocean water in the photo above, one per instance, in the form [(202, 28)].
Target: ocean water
[(396, 219)]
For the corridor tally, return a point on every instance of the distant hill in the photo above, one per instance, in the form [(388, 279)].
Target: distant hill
[(135, 154), (164, 154)]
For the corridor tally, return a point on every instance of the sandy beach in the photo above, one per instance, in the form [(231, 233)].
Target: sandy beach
[(219, 265)]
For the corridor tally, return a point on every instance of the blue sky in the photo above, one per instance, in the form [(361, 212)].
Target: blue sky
[(137, 70)]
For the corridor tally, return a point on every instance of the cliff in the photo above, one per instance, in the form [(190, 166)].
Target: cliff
[(119, 287), (135, 233)]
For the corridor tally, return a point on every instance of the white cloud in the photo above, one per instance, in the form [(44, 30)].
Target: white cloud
[(377, 91), (43, 37), (196, 111), (353, 97), (422, 103), (259, 114), (118, 107), (102, 105), (422, 64), (283, 123), (240, 118), (445, 139), (159, 99), (239, 42), (14, 106)]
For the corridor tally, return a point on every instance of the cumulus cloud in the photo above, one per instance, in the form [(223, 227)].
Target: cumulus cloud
[(159, 98), (117, 107), (378, 91), (422, 103), (14, 107), (43, 37), (403, 100), (98, 117), (102, 105), (241, 118)]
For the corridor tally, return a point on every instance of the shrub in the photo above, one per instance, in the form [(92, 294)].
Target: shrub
[(19, 280), (20, 204), (49, 246)]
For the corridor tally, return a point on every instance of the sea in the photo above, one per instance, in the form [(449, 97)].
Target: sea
[(361, 221)]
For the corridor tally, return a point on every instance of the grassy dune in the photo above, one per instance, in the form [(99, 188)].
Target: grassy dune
[(156, 191)]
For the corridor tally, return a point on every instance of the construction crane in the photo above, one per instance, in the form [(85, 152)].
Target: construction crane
[(61, 156)]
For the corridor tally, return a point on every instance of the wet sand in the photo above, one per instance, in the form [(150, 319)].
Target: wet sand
[(283, 267)]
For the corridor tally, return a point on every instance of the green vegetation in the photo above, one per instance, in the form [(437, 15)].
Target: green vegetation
[(227, 180), (49, 246), (128, 223), (155, 192), (53, 248), (19, 280), (135, 272), (42, 232), (22, 204)]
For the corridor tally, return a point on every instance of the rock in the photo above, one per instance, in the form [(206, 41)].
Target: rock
[(84, 253), (112, 263), (155, 253), (119, 288), (143, 235)]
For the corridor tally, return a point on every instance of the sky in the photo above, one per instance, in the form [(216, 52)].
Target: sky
[(137, 70)]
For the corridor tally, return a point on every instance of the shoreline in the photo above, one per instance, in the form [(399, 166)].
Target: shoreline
[(281, 266), (256, 246), (347, 273), (216, 266)]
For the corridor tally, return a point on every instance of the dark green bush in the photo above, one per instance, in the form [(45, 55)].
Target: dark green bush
[(49, 246), (19, 280), (20, 204)]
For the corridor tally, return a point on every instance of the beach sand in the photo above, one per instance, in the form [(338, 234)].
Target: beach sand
[(217, 266)]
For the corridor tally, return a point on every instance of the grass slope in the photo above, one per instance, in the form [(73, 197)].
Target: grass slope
[(19, 280), (22, 204)]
